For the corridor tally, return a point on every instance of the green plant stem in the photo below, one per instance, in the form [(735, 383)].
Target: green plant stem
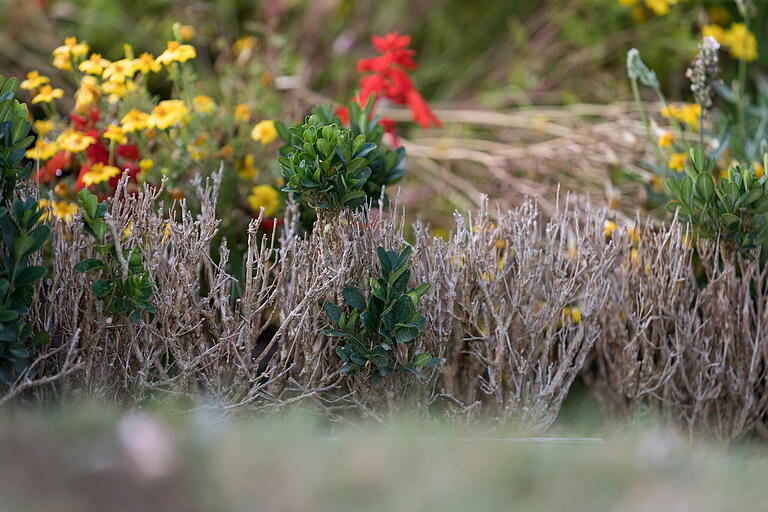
[(646, 122), (741, 106)]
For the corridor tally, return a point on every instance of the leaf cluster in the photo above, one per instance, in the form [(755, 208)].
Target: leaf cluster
[(22, 236), (325, 165), (373, 329), (732, 208), (14, 139), (125, 290), (385, 166)]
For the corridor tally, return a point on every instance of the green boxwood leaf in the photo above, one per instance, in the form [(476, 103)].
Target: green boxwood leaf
[(89, 265), (28, 276)]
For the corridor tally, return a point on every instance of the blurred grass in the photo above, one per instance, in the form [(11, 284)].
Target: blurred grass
[(95, 459)]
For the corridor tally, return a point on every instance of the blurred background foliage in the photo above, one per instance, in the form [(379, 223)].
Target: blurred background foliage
[(492, 69), (489, 53)]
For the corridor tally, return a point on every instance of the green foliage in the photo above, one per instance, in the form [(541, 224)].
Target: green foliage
[(124, 284), (372, 329), (325, 165), (733, 209), (14, 139), (22, 237), (332, 167)]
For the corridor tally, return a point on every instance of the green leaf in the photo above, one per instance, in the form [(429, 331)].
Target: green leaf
[(422, 360), (730, 219), (103, 287), (89, 264), (8, 315), (88, 201), (28, 276), (406, 333), (333, 312), (22, 245), (354, 298), (402, 309), (686, 190), (705, 188), (41, 338)]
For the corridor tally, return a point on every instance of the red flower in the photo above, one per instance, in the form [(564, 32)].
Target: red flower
[(97, 152), (133, 171), (389, 127), (387, 78), (83, 170), (54, 167), (343, 113), (129, 151), (420, 110), (83, 124), (269, 223)]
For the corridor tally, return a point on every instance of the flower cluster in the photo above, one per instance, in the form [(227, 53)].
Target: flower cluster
[(658, 7), (386, 76), (116, 126), (738, 39)]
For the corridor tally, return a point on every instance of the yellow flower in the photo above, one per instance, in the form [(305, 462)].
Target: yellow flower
[(246, 169), (118, 90), (116, 134), (576, 315), (244, 44), (689, 113), (264, 132), (187, 32), (677, 161), (34, 80), (441, 233), (146, 164), (43, 128), (98, 173), (71, 48), (62, 62), (42, 150), (88, 94), (61, 188), (759, 171), (64, 210), (203, 104), (666, 139), (242, 113), (47, 94), (715, 31), (134, 120), (609, 227), (176, 52), (74, 141), (226, 152), (146, 63), (94, 65), (168, 113), (264, 196), (119, 71), (741, 42), (660, 7)]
